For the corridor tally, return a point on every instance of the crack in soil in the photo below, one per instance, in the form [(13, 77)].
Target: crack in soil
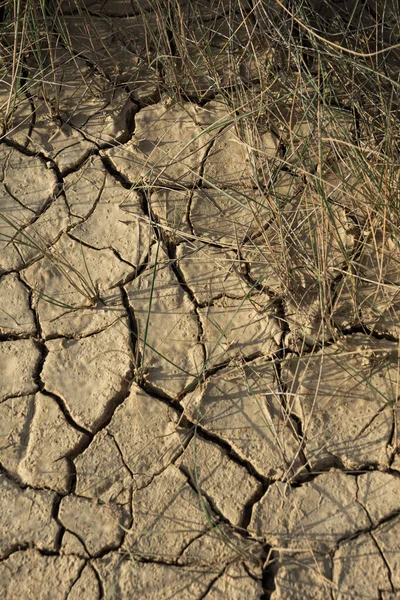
[(99, 581), (269, 572), (382, 555), (77, 577), (306, 61), (248, 507)]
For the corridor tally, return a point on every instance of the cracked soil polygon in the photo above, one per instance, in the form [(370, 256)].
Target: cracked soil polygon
[(221, 546), (369, 293), (51, 439), (27, 518), (28, 180), (65, 285), (387, 538), (145, 430), (16, 318), (379, 493), (87, 586), (208, 467), (99, 526), (235, 584), (44, 577), (16, 114), (70, 544), (113, 123), (83, 187), (168, 146), (167, 326), (22, 357), (319, 240), (29, 239), (58, 141), (167, 515), (228, 163), (15, 417), (100, 471), (169, 207), (314, 516), (118, 47), (299, 576), (344, 397), (353, 563), (14, 217), (228, 217), (234, 329), (204, 48), (210, 272), (121, 576), (117, 222), (241, 405), (91, 375)]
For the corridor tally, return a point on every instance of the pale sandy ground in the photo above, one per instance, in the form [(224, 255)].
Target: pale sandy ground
[(212, 461)]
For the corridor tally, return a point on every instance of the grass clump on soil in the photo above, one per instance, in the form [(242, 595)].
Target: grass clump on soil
[(308, 94)]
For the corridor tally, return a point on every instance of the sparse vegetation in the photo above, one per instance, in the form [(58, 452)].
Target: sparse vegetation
[(252, 149)]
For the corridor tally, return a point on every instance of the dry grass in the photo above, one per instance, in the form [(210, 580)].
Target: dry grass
[(325, 80)]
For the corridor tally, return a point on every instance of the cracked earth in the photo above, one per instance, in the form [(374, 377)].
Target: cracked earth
[(177, 420)]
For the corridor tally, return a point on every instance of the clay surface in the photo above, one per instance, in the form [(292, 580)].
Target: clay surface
[(199, 306)]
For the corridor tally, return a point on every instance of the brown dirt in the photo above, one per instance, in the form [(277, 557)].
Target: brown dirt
[(178, 417)]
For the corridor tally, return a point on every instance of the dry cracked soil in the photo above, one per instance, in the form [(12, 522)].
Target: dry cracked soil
[(176, 421)]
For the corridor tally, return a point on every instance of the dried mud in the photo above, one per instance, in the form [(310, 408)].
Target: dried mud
[(178, 419)]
